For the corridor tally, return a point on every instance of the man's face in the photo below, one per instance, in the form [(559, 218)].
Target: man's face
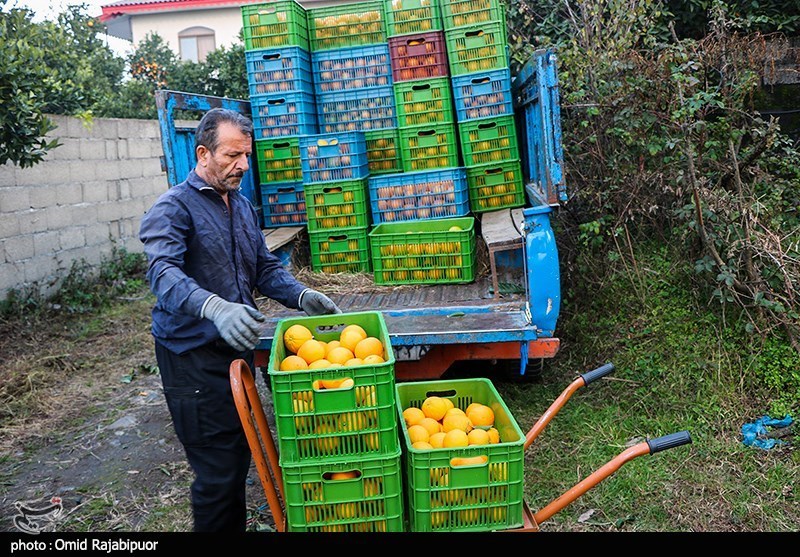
[(223, 169)]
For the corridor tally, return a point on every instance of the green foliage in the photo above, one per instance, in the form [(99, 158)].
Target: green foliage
[(766, 16)]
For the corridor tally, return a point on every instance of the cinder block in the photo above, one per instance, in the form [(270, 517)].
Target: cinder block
[(58, 217), (72, 237), (32, 221), (8, 175), (46, 172), (112, 151), (97, 233), (107, 212), (139, 148), (75, 127), (70, 149), (122, 148), (95, 192), (46, 243), (43, 196), (83, 213), (152, 167), (10, 278), (107, 170), (82, 171), (9, 224), (131, 168), (105, 128), (69, 193), (123, 189), (93, 150), (14, 199), (157, 148), (19, 248)]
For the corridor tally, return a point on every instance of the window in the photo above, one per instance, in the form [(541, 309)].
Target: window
[(196, 43)]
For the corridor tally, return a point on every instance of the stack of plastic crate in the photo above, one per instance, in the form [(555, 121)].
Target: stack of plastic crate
[(353, 78), (282, 104), (475, 33), (335, 172), (338, 437)]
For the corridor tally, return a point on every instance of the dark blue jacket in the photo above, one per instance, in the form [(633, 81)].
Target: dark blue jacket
[(195, 247)]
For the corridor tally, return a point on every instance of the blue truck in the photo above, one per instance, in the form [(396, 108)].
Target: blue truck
[(506, 317)]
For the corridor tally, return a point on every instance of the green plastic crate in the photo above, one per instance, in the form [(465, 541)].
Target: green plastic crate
[(495, 186), (477, 48), (488, 140), (321, 498), (443, 497), (424, 251), (316, 425), (424, 102), (383, 151), (347, 25), (344, 250), (334, 205), (274, 24), (279, 160), (405, 17), (466, 13), (429, 147)]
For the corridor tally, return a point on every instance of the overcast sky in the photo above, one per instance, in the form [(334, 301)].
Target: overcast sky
[(49, 9)]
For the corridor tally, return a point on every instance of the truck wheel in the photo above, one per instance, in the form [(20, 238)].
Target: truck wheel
[(509, 370)]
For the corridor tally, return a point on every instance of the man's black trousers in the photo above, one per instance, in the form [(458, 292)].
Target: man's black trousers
[(198, 392)]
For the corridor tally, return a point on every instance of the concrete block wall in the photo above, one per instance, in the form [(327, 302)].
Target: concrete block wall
[(86, 196)]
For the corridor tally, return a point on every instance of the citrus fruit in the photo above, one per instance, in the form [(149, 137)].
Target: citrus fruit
[(373, 359), (478, 436), (339, 355), (311, 351), (494, 435), (413, 415), (330, 345), (456, 421), (434, 407), (454, 410), (418, 433), (480, 415), (351, 335), (431, 425), (344, 475), (448, 403), (437, 440), (295, 336), (367, 347), (354, 362), (319, 364), (421, 445), (455, 438), (294, 363)]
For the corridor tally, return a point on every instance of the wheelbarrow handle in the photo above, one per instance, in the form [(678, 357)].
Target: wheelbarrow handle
[(599, 373), (669, 441)]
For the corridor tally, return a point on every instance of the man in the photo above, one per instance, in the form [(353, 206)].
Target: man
[(206, 255)]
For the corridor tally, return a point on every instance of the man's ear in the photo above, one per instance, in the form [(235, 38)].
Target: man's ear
[(202, 154)]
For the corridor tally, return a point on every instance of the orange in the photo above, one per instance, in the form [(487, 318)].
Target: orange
[(344, 475), (480, 415), (478, 436), (295, 336), (339, 355), (431, 425), (454, 410), (413, 415), (326, 445), (354, 362), (456, 421), (347, 383), (434, 407), (311, 351), (422, 446), (448, 403), (373, 359), (494, 435), (418, 433), (294, 363), (437, 440), (368, 347), (351, 335), (319, 364), (330, 345), (455, 438)]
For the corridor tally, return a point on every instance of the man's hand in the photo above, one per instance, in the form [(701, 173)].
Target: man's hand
[(238, 324), (317, 303)]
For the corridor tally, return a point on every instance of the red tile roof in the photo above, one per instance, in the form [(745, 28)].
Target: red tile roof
[(125, 7)]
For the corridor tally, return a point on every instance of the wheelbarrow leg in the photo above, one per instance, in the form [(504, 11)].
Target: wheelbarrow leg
[(248, 405)]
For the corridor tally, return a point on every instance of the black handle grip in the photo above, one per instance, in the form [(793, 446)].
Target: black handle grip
[(669, 441), (598, 373)]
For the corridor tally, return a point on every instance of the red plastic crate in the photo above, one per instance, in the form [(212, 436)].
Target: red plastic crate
[(420, 56)]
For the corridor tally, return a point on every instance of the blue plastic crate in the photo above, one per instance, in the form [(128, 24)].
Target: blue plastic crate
[(351, 69), (482, 95), (331, 157), (429, 194), (283, 115), (279, 70), (284, 204), (362, 110)]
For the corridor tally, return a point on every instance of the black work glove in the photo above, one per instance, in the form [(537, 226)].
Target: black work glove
[(317, 303), (238, 324)]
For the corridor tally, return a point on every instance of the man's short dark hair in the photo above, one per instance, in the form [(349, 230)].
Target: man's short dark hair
[(206, 132)]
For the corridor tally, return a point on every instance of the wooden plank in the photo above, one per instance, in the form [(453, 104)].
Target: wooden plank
[(499, 229), (280, 236)]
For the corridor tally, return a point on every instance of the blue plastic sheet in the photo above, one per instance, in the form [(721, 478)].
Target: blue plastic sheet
[(751, 431)]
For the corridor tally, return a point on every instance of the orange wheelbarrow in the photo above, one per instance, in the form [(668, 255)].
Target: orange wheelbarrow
[(265, 453)]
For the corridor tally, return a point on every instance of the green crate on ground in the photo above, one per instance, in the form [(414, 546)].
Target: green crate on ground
[(344, 250), (274, 24), (429, 147), (404, 17), (495, 186), (434, 251), (360, 495), (383, 151), (488, 140), (451, 496), (318, 420), (477, 48), (423, 102), (335, 205), (347, 25), (279, 160), (465, 13)]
